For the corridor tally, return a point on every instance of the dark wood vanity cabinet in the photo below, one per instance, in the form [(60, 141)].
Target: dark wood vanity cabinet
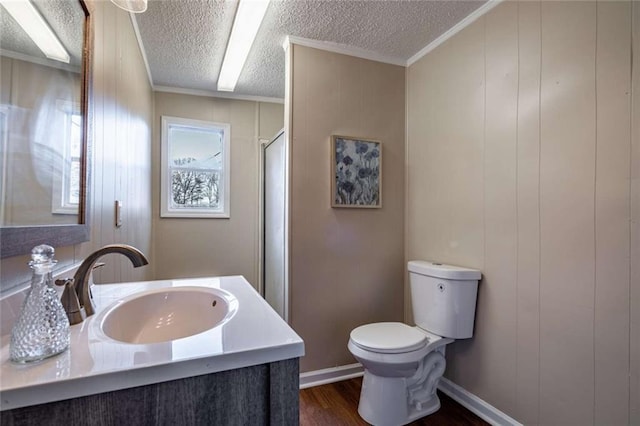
[(265, 394)]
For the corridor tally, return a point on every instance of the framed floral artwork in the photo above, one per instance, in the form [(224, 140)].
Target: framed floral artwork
[(356, 172)]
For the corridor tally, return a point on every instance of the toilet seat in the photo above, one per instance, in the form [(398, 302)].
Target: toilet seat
[(388, 338)]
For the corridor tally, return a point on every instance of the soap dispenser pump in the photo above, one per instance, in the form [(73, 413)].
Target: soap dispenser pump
[(42, 330)]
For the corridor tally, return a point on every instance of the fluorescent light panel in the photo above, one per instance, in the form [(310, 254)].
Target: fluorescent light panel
[(245, 27), (26, 15), (133, 6)]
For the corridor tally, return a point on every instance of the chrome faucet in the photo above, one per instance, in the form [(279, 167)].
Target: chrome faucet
[(77, 293)]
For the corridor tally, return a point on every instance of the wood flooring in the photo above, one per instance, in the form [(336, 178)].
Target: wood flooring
[(337, 404)]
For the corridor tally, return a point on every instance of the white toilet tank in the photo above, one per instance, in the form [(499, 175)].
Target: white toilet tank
[(443, 298)]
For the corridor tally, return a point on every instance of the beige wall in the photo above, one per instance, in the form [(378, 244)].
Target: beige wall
[(518, 164), (270, 119), (634, 293), (346, 265), (205, 247), (121, 165)]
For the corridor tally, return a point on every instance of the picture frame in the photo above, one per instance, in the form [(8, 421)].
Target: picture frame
[(356, 172)]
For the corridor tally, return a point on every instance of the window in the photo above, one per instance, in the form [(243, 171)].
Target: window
[(195, 168), (66, 184)]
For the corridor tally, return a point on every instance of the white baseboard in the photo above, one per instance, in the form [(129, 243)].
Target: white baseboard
[(330, 375), (479, 407)]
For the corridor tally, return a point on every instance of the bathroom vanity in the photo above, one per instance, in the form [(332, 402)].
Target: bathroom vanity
[(244, 370)]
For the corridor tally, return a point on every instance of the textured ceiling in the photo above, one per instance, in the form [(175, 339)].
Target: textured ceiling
[(185, 40), (65, 19)]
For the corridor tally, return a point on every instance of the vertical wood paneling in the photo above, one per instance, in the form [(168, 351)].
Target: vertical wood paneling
[(109, 141), (422, 201), (528, 213), (97, 148), (461, 181), (634, 303), (446, 203), (136, 184), (500, 275), (445, 177), (567, 178), (121, 150), (573, 315), (613, 138), (450, 206), (127, 189), (117, 262), (419, 113)]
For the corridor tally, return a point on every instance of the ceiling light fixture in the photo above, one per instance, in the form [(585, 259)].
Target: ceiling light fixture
[(245, 27), (133, 6), (26, 15)]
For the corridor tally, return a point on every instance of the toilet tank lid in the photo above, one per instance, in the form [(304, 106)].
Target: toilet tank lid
[(439, 270)]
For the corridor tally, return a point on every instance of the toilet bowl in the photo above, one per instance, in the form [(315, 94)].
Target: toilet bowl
[(403, 364)]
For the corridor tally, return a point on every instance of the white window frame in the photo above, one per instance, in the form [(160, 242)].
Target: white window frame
[(223, 212), (61, 185)]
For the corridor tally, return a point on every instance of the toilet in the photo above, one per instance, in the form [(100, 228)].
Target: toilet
[(403, 364)]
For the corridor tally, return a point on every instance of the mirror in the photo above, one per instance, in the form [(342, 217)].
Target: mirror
[(44, 119)]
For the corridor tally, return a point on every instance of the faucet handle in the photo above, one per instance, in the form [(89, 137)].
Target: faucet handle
[(70, 301)]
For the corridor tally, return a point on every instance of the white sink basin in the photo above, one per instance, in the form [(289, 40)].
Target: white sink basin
[(167, 314)]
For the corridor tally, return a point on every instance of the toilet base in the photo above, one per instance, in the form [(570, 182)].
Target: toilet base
[(390, 400), (383, 402)]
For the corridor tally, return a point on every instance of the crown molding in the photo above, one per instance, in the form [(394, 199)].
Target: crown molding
[(216, 94), (136, 30), (453, 30), (322, 45)]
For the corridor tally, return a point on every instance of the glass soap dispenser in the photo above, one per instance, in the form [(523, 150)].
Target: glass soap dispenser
[(42, 330)]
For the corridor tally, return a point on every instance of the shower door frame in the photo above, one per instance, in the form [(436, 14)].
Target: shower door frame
[(262, 228)]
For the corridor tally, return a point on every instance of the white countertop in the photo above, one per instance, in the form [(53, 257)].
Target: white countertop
[(94, 363)]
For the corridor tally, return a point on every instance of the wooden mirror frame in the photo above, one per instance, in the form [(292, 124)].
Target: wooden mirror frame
[(18, 240)]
